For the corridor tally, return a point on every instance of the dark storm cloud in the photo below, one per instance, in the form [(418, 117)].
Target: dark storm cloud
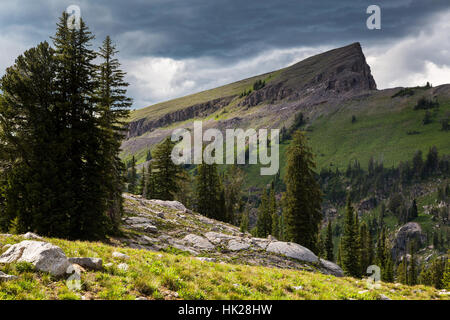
[(227, 29), (192, 45), (234, 29)]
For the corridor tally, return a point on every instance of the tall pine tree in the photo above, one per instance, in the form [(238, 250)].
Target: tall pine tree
[(303, 196), (349, 243)]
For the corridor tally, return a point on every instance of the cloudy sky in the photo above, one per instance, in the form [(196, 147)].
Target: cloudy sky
[(171, 48)]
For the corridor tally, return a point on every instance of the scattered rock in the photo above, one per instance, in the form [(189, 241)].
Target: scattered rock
[(236, 245), (292, 250), (143, 239), (363, 291), (260, 242), (217, 238), (175, 205), (43, 255), (444, 292), (198, 242), (141, 298), (298, 288), (6, 277), (332, 268), (88, 263), (6, 235), (108, 265), (150, 228), (123, 267), (383, 297), (206, 259), (32, 236), (75, 268), (120, 255), (160, 214)]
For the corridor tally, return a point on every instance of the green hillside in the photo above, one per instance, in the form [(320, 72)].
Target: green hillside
[(389, 129), (386, 128), (233, 89), (154, 275)]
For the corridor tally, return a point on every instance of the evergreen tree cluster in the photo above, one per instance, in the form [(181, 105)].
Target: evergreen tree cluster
[(379, 180), (60, 130)]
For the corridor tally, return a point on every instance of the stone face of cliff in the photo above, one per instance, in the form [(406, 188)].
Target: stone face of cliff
[(141, 126), (342, 71), (333, 75)]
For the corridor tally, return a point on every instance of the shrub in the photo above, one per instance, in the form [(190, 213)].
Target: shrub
[(259, 85), (425, 104)]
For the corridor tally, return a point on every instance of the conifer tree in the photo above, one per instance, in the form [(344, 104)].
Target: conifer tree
[(371, 250), (446, 277), (209, 192), (349, 243), (381, 249), (387, 271), (402, 271), (413, 211), (364, 248), (262, 225), (329, 243), (165, 173), (113, 105), (61, 135), (132, 181), (275, 225), (271, 214), (150, 183), (232, 181), (143, 183), (339, 253), (320, 246), (412, 274), (244, 221), (303, 195)]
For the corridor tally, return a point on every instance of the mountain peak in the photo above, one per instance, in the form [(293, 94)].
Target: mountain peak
[(341, 70)]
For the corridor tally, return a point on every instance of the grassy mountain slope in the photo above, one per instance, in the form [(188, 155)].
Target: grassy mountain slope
[(389, 129), (320, 80), (233, 89), (328, 89)]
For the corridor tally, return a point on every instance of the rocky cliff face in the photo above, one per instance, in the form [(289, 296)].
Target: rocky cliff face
[(141, 126), (342, 71), (408, 233)]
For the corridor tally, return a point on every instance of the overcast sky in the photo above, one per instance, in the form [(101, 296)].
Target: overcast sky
[(171, 48)]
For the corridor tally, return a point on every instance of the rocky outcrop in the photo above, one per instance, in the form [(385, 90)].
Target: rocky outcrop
[(329, 267), (198, 235), (403, 237), (139, 127), (198, 242), (44, 256), (292, 250)]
